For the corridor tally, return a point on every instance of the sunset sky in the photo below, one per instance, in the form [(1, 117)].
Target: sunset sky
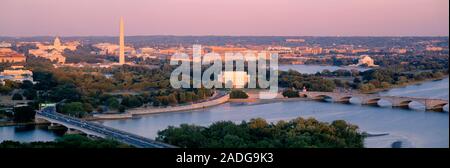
[(225, 17)]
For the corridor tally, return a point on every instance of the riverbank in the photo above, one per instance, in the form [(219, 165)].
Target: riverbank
[(12, 123), (314, 68), (153, 110), (224, 99)]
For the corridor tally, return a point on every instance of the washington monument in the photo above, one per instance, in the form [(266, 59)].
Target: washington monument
[(121, 43)]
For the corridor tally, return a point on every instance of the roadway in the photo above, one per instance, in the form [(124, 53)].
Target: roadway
[(115, 134)]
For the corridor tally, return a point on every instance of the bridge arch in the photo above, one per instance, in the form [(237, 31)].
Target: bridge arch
[(405, 103), (321, 97), (345, 99), (303, 95), (372, 101), (439, 107)]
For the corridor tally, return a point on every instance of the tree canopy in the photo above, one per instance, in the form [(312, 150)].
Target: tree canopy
[(238, 94), (257, 133), (67, 141)]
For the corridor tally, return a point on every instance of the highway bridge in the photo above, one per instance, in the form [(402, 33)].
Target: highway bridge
[(98, 130), (372, 99)]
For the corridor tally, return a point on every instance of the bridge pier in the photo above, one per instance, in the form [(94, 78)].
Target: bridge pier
[(435, 105), (370, 101), (55, 126), (404, 104), (303, 95), (318, 97), (438, 108), (41, 121), (342, 99), (72, 131)]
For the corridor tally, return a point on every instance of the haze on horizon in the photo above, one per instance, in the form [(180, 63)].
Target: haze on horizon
[(225, 17)]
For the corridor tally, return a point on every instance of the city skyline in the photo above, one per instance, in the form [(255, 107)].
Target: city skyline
[(229, 18)]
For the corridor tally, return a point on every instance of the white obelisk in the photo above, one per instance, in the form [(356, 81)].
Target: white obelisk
[(122, 44)]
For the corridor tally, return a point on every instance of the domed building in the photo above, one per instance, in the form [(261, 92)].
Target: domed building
[(366, 60), (58, 46), (57, 43), (54, 52)]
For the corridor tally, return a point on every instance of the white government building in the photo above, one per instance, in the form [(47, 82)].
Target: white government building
[(54, 52)]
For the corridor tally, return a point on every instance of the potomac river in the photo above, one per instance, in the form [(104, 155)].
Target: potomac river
[(409, 128), (412, 128)]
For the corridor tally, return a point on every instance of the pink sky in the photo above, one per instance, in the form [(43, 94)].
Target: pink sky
[(225, 17)]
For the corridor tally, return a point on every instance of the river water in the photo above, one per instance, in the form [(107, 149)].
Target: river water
[(434, 89), (27, 133), (413, 128)]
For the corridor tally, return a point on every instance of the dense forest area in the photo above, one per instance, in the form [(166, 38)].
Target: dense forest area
[(258, 133)]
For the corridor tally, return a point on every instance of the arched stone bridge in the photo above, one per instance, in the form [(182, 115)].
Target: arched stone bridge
[(372, 99)]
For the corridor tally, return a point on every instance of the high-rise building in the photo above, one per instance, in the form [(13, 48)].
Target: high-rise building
[(121, 44)]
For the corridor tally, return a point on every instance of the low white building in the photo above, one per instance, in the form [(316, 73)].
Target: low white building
[(5, 45), (113, 49), (238, 79), (17, 74)]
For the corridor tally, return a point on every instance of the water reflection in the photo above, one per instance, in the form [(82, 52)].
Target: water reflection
[(28, 133)]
